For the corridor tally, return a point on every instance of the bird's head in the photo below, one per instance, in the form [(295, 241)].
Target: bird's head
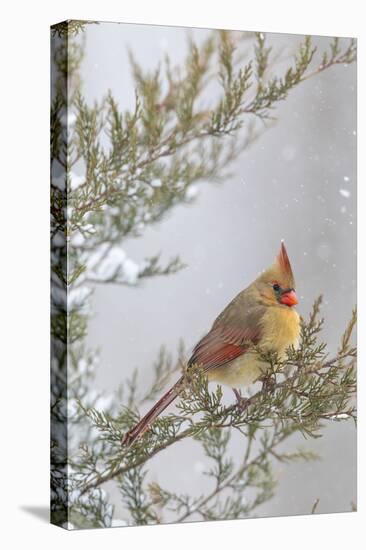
[(276, 285)]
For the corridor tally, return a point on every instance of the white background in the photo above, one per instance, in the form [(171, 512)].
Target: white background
[(24, 272)]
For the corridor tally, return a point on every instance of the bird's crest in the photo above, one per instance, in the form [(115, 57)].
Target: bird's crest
[(281, 270), (284, 264)]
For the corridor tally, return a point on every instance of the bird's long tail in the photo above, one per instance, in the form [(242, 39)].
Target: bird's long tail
[(141, 427)]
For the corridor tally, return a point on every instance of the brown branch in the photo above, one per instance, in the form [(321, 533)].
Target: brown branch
[(113, 473)]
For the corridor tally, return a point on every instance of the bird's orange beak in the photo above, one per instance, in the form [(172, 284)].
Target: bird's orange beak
[(289, 298)]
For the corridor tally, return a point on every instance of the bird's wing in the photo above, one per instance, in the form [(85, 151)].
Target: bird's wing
[(223, 344)]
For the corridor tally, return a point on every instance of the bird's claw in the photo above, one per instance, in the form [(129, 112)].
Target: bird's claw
[(241, 401), (268, 384)]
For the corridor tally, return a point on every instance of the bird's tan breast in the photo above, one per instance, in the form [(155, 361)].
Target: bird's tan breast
[(280, 329), (242, 371)]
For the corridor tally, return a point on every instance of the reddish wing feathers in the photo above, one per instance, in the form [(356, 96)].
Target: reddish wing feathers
[(222, 345)]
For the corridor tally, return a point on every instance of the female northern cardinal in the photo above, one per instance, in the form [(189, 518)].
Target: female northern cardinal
[(261, 314)]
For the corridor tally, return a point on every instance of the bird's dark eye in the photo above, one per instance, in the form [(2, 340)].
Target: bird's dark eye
[(276, 287)]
